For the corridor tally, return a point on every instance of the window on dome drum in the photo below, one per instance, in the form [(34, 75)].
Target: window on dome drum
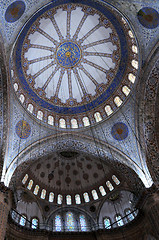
[(77, 199), (131, 77), (116, 180), (58, 223), (134, 63), (130, 216), (22, 221), (126, 90), (30, 108), (51, 120), (102, 190), (86, 121), (62, 123), (86, 197), (108, 110), (82, 223), (16, 87), (22, 98), (74, 123), (34, 223), (119, 220), (130, 34), (94, 194), (134, 49), (97, 117), (25, 178), (68, 200), (109, 185), (107, 223), (30, 184), (59, 199), (70, 222), (118, 101), (40, 115), (43, 194), (51, 197), (36, 189)]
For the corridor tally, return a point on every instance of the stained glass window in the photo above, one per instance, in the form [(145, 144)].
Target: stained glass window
[(126, 90), (131, 77), (119, 221), (22, 98), (22, 220), (30, 184), (74, 123), (130, 216), (50, 120), (82, 222), (70, 223), (15, 216), (108, 110), (116, 180), (36, 190), (68, 200), (102, 190), (98, 117), (43, 194), (109, 185), (59, 199), (51, 197), (30, 108), (118, 101), (58, 223), (107, 223), (86, 121), (34, 223), (62, 123), (134, 63), (94, 194), (86, 197), (25, 178), (77, 199), (40, 115)]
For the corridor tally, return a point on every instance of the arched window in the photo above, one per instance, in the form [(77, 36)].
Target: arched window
[(34, 223), (130, 216), (59, 199), (36, 189), (25, 178), (108, 110), (22, 221), (134, 49), (116, 180), (68, 200), (58, 223), (102, 190), (77, 199), (82, 222), (97, 117), (131, 77), (130, 34), (51, 197), (74, 123), (86, 121), (22, 98), (15, 216), (51, 120), (30, 108), (134, 63), (94, 194), (30, 184), (119, 220), (40, 115), (70, 223), (16, 87), (43, 194), (86, 197), (109, 185), (107, 223), (62, 123), (118, 101), (126, 90)]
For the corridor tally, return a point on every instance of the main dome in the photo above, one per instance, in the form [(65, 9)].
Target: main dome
[(74, 60)]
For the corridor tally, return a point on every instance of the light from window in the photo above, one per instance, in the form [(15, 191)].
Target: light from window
[(118, 101), (40, 115), (82, 221), (77, 199), (116, 180), (16, 87), (58, 223), (134, 63), (22, 98), (109, 185), (108, 110), (22, 220), (107, 223), (70, 223), (62, 123), (15, 216), (25, 178), (102, 190), (126, 90), (51, 120), (86, 197), (34, 223), (68, 200), (86, 121), (30, 184), (30, 108), (59, 199), (131, 77), (119, 221), (98, 117), (51, 197), (94, 194), (134, 49), (130, 34), (43, 194), (130, 216), (74, 123), (36, 190)]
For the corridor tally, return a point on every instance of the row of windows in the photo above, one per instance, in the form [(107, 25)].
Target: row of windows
[(22, 220), (68, 197)]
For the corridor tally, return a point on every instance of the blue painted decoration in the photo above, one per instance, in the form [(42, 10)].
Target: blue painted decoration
[(148, 17), (23, 129), (14, 11), (119, 131)]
